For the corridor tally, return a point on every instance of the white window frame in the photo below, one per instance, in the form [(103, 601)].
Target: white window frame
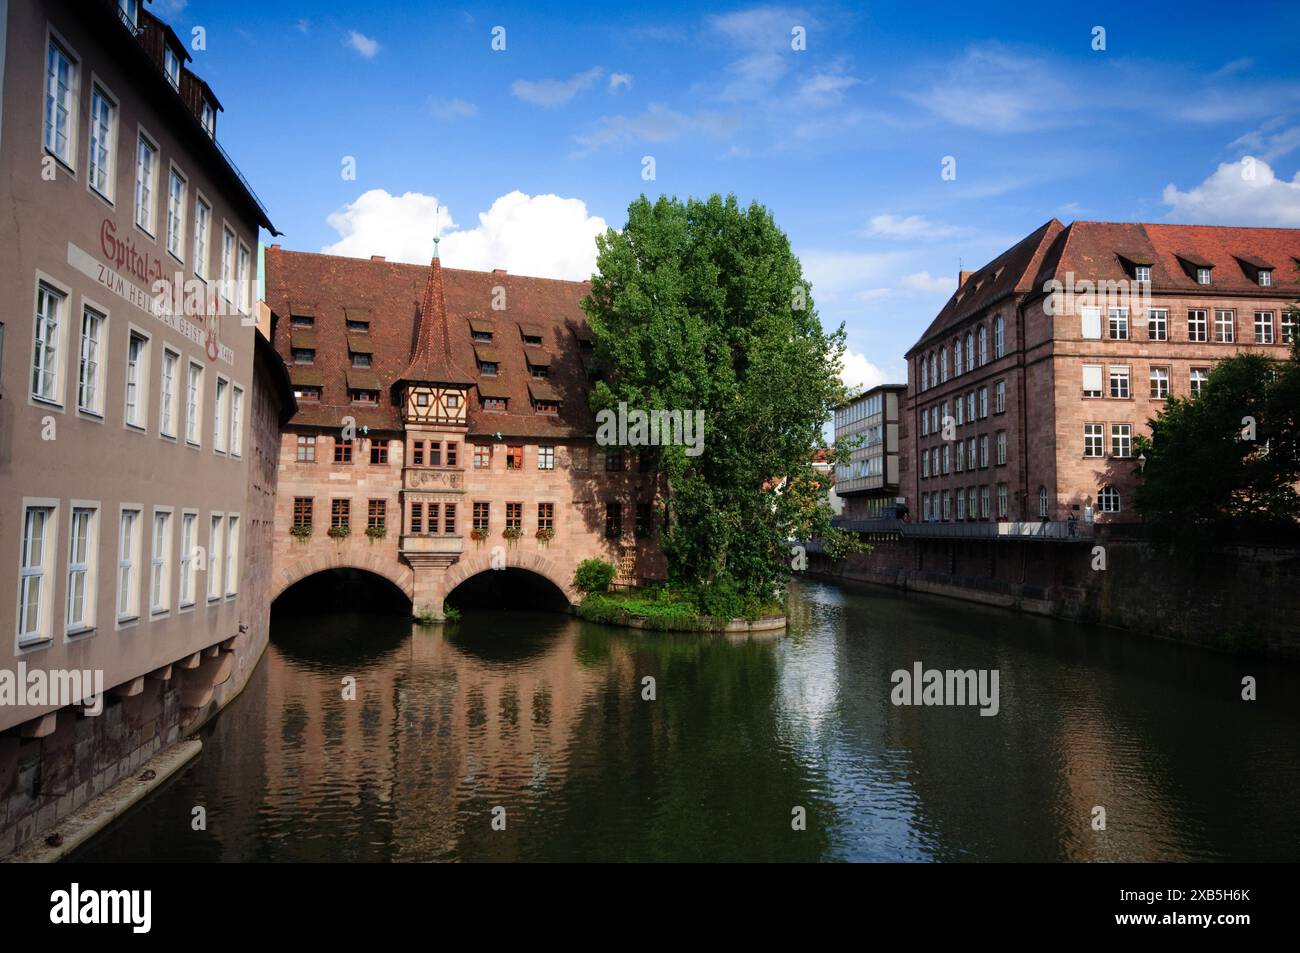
[(215, 556), (129, 553), (139, 421), (233, 526), (220, 401), (99, 90), (1117, 324), (1094, 441), (1225, 330), (43, 362), (139, 204), (229, 245), (1158, 324), (236, 445), (1265, 326), (1201, 374), (49, 102), (169, 403), (36, 569), (193, 410), (170, 59), (1121, 437), (1199, 324), (95, 406), (160, 563), (1204, 276), (1266, 277), (243, 277), (1120, 373), (1142, 274), (1159, 378), (202, 235), (1002, 448), (188, 575), (1104, 497), (85, 569), (1098, 371), (999, 337), (176, 216)]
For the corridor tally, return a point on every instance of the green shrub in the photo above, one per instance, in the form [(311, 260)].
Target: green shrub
[(593, 575)]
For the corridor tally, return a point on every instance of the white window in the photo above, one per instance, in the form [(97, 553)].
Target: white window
[(999, 337), (925, 463), (33, 594), (943, 364), (128, 558), (1288, 326), (1265, 278), (961, 456), (1119, 384), (244, 278), (934, 419), (1092, 380), (47, 376), (176, 215), (961, 504), (1202, 276), (984, 502), (983, 345), (1263, 327), (146, 178), (160, 577), (1108, 500), (1196, 325), (82, 547), (1225, 326), (957, 364), (970, 351), (1117, 321), (925, 374), (219, 417), (1121, 440), (1002, 447), (232, 555), (925, 423), (103, 136), (237, 420), (1002, 499), (546, 458), (1158, 324), (137, 379), (202, 232), (1000, 397), (129, 11), (945, 458), (189, 528), (227, 262), (209, 120), (1042, 502), (970, 407), (172, 67), (961, 412), (1200, 376), (984, 402), (215, 560), (167, 399), (1159, 383), (1091, 322), (947, 505), (1093, 440), (1142, 273), (984, 450), (934, 370), (60, 103), (193, 402), (89, 392)]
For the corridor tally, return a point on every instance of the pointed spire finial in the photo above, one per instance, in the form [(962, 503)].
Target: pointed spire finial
[(437, 209)]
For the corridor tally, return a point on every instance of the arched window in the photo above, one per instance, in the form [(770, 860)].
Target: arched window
[(970, 351), (925, 374), (999, 337), (1042, 502), (956, 358), (1108, 500), (984, 345), (943, 364)]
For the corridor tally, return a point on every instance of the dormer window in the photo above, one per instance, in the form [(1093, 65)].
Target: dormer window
[(1266, 277), (129, 11), (532, 334), (358, 327), (480, 331), (546, 407), (302, 321), (307, 392), (497, 404), (539, 373), (304, 355), (361, 396), (534, 340), (172, 67), (360, 360), (483, 337), (209, 120), (487, 368), (1203, 275), (1142, 273)]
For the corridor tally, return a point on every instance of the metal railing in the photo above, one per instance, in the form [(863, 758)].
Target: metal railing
[(1060, 530)]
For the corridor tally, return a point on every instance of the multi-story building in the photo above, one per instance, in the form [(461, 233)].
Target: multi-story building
[(1029, 387), (127, 392), (444, 430), (869, 483)]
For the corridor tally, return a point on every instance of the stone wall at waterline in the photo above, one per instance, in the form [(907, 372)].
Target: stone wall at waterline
[(1240, 599)]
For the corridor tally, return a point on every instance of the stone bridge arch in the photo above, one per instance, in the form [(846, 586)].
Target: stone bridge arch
[(336, 557), (558, 572)]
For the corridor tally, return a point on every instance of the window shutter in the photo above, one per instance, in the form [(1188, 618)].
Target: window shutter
[(1091, 322), (1092, 377)]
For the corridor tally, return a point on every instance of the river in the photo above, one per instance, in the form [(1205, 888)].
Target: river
[(529, 736)]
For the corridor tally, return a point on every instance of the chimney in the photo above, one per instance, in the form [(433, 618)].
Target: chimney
[(498, 271), (963, 277), (275, 247), (378, 258)]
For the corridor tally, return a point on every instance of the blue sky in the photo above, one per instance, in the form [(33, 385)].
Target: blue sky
[(533, 149)]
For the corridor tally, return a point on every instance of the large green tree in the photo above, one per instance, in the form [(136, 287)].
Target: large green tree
[(1227, 459), (702, 306)]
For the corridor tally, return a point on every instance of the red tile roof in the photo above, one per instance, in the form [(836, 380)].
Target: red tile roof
[(331, 288)]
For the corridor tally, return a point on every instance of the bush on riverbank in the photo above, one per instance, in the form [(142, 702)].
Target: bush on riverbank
[(664, 608)]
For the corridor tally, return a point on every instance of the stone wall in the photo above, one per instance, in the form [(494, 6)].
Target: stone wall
[(1243, 599)]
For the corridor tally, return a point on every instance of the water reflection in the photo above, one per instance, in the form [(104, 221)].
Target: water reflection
[(544, 716)]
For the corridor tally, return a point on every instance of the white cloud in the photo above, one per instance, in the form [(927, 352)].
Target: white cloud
[(858, 372), (825, 89), (1270, 141), (993, 89), (927, 283), (362, 44), (549, 93), (657, 124), (544, 236), (908, 227), (169, 8), (302, 26), (1239, 193), (619, 81), (452, 108), (838, 275)]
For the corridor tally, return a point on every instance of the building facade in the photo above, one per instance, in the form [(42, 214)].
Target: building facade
[(1029, 387), (869, 483), (444, 430), (128, 393)]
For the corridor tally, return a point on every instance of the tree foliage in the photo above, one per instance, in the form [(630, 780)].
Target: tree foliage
[(1226, 460), (701, 305)]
